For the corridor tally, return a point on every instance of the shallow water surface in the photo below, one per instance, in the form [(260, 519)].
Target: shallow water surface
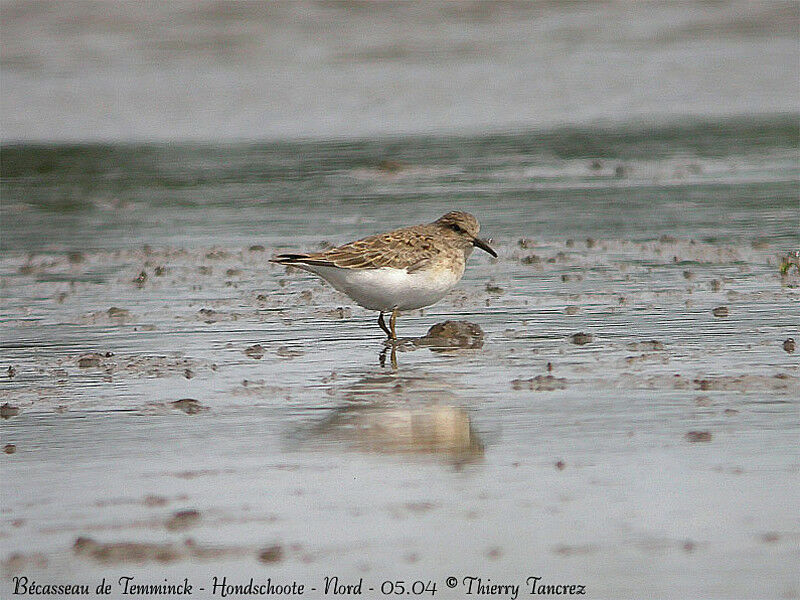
[(657, 458)]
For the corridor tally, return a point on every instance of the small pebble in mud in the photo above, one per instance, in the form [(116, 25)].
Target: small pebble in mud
[(581, 339), (698, 436), (571, 310), (531, 260), (118, 313), (561, 465), (688, 275), (715, 285), (788, 345), (526, 243), (90, 360), (590, 242), (188, 405), (720, 311), (729, 412), (11, 371), (141, 279), (233, 272), (8, 410), (182, 520), (494, 553), (188, 373), (256, 351), (270, 554), (204, 270), (256, 248), (159, 271), (9, 448)]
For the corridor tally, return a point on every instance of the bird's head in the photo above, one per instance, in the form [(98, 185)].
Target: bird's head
[(466, 228)]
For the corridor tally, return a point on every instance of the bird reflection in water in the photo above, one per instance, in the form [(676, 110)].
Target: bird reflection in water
[(414, 416)]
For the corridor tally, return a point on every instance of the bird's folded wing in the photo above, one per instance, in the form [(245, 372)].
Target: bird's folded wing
[(401, 249)]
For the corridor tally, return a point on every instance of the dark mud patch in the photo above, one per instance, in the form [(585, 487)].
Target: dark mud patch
[(256, 351), (188, 405), (698, 436), (8, 410), (581, 339), (540, 383), (182, 520), (18, 562)]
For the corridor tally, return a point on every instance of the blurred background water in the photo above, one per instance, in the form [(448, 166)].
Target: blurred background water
[(636, 166), (210, 71)]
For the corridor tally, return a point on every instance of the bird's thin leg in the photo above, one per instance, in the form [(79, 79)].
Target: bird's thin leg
[(392, 320), (383, 326)]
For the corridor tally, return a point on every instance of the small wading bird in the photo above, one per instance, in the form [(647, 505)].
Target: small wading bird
[(399, 270)]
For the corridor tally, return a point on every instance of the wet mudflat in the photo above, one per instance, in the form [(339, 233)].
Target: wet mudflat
[(175, 406)]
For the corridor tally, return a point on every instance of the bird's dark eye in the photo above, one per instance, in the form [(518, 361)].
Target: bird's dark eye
[(456, 228)]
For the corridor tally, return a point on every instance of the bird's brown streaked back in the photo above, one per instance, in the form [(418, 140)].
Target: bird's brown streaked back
[(410, 248)]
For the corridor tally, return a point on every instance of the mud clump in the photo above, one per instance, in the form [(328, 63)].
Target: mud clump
[(494, 289), (698, 436), (182, 520), (651, 345), (286, 352), (339, 313), (118, 313), (270, 554), (188, 405), (720, 311), (93, 359), (581, 339), (11, 372), (540, 383), (8, 410), (789, 345), (124, 552), (452, 334), (18, 562), (255, 351), (10, 448)]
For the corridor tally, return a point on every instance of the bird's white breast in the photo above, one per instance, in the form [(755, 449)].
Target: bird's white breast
[(386, 288)]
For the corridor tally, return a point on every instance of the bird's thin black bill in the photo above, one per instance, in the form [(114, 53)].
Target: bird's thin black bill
[(479, 243)]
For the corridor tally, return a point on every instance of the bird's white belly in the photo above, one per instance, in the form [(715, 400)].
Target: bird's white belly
[(386, 288)]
